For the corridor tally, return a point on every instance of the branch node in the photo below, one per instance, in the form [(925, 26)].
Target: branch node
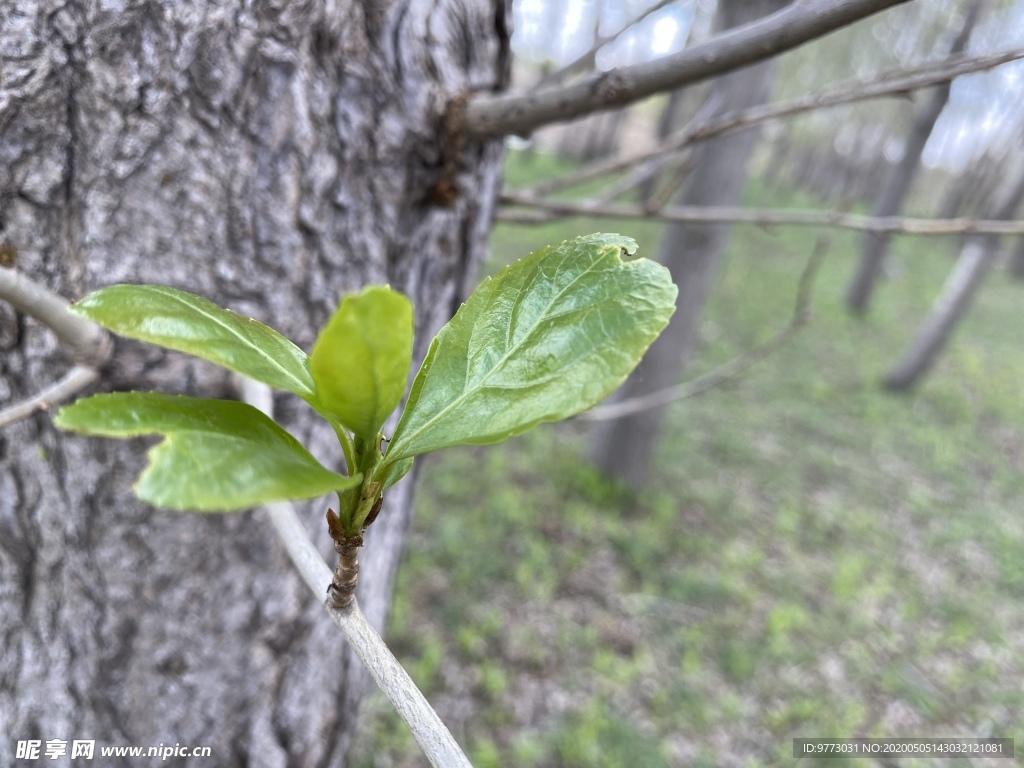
[(342, 590), (452, 144)]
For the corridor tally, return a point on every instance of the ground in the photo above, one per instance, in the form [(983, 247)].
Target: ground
[(812, 557)]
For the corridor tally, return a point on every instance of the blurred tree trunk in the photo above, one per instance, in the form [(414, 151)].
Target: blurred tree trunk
[(977, 255), (604, 135), (972, 190), (669, 120), (1017, 260), (270, 158), (692, 252), (897, 185)]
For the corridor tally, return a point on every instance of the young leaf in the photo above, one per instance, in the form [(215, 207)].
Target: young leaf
[(189, 323), (390, 473), (546, 338), (361, 361), (218, 455)]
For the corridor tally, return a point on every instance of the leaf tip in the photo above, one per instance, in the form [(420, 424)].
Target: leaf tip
[(627, 245)]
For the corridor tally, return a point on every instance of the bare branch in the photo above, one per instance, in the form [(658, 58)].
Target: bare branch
[(886, 84), (546, 210), (427, 728), (88, 342), (77, 379), (661, 195), (730, 369), (487, 116), (585, 61)]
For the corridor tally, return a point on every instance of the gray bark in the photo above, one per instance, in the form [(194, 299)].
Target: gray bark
[(693, 253), (977, 256), (269, 157), (894, 191), (603, 137), (1017, 260)]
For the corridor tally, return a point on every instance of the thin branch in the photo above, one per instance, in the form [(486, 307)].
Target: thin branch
[(427, 728), (586, 60), (661, 195), (730, 369), (882, 85), (487, 116), (77, 379), (88, 342), (546, 210)]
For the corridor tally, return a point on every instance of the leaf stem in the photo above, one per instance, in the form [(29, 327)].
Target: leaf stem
[(347, 446)]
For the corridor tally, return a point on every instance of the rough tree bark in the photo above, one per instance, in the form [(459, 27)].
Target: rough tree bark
[(692, 253), (894, 191), (270, 157), (978, 254)]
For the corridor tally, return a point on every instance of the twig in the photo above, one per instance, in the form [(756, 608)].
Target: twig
[(730, 369), (546, 210), (88, 342), (649, 169), (586, 59), (77, 379), (661, 195), (488, 116), (882, 85), (427, 728)]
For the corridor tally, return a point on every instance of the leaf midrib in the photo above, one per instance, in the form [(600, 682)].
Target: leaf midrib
[(304, 390), (479, 385)]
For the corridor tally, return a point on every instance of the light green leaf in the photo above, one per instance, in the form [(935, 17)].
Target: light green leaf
[(546, 338), (361, 361), (218, 455), (390, 473), (189, 323)]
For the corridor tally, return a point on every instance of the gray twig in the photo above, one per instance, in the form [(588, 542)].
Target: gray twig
[(88, 342), (487, 116), (546, 210), (73, 382), (886, 84), (586, 60)]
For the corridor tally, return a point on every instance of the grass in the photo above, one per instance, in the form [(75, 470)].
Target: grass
[(813, 557)]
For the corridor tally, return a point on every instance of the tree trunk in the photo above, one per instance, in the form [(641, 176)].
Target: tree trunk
[(603, 135), (977, 255), (1017, 260), (692, 252), (894, 192), (270, 158)]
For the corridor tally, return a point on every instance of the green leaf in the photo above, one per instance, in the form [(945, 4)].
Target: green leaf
[(546, 338), (218, 455), (189, 323), (361, 361), (390, 473)]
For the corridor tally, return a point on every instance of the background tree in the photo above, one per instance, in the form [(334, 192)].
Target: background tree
[(977, 255), (623, 447), (894, 190)]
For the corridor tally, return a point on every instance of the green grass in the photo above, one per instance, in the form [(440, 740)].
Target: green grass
[(813, 557)]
